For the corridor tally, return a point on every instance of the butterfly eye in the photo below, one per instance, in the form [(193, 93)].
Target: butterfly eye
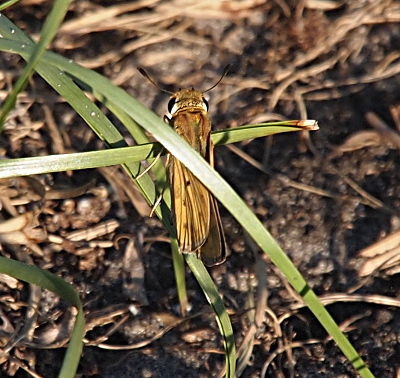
[(205, 104), (171, 105)]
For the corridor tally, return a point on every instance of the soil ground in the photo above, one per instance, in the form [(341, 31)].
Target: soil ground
[(324, 196)]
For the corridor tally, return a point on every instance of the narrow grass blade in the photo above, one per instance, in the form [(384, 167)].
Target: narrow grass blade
[(179, 270), (213, 297), (7, 4), (51, 25), (57, 285), (104, 158)]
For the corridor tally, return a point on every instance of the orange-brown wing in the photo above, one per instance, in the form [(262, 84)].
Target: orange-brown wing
[(213, 251), (190, 206), (190, 199)]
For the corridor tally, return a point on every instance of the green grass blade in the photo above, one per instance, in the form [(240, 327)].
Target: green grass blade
[(245, 132), (74, 161), (104, 158), (50, 28), (179, 270), (7, 4), (57, 285), (213, 297)]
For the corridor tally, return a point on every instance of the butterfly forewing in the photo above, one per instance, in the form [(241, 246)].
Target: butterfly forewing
[(191, 207), (213, 250)]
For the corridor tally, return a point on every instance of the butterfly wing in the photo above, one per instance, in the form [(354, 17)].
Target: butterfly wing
[(191, 207), (195, 211), (213, 251), (190, 199)]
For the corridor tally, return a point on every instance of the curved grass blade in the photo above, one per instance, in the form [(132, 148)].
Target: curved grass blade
[(57, 285), (7, 4), (179, 270), (50, 28), (213, 297)]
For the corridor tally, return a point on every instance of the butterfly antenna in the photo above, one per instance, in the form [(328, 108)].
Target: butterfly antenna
[(144, 73), (227, 68)]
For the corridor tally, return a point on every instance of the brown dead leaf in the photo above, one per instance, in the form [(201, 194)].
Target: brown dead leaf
[(358, 140), (381, 255), (390, 136)]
